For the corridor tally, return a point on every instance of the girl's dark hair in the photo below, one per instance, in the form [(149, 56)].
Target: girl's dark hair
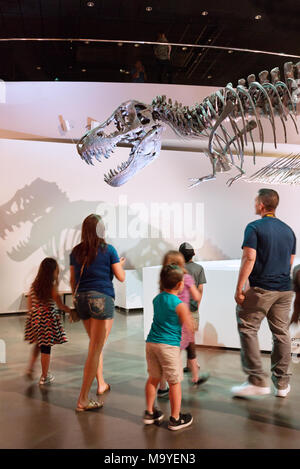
[(170, 275), (43, 283), (90, 241)]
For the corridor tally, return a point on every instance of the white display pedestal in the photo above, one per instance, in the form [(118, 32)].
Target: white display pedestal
[(218, 325), (129, 294), (66, 296)]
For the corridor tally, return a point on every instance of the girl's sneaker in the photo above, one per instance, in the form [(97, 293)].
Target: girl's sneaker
[(184, 421), (163, 392), (156, 416), (49, 379)]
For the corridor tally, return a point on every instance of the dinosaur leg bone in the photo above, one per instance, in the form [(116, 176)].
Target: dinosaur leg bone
[(197, 181)]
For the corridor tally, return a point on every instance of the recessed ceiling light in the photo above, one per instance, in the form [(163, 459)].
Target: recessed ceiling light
[(86, 42), (90, 4), (230, 52), (83, 69), (208, 40), (184, 48), (136, 45), (209, 77), (38, 67), (148, 8), (120, 44), (204, 13), (258, 17)]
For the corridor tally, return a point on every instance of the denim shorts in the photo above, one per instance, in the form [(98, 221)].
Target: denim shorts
[(92, 304)]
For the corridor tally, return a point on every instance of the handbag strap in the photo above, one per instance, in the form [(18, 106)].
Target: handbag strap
[(81, 271)]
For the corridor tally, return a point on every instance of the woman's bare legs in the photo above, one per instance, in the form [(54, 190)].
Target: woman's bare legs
[(102, 385), (97, 331)]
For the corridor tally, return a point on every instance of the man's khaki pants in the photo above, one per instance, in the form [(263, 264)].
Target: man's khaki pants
[(275, 306)]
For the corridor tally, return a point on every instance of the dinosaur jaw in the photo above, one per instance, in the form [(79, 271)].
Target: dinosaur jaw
[(131, 123), (21, 251), (143, 152), (11, 231)]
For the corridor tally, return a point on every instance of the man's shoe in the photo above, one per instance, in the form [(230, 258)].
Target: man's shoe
[(282, 392), (203, 377), (163, 392), (184, 421), (248, 389), (156, 416)]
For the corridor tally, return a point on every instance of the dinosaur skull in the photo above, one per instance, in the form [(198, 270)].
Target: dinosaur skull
[(131, 123)]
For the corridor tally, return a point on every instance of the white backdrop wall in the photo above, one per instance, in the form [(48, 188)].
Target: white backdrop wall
[(47, 190)]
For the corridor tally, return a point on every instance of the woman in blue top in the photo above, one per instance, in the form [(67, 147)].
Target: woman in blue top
[(93, 263)]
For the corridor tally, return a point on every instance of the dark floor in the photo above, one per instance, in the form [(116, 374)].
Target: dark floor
[(31, 417)]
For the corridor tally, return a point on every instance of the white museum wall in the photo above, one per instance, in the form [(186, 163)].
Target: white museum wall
[(47, 190)]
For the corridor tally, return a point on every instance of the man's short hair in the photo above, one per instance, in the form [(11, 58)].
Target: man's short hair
[(269, 198)]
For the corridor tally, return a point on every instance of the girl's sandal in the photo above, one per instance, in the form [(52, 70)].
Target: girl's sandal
[(92, 405)]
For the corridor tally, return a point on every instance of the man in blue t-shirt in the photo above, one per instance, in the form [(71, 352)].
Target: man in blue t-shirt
[(269, 247)]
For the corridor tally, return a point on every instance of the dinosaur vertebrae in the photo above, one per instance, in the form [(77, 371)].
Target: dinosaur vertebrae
[(263, 98)]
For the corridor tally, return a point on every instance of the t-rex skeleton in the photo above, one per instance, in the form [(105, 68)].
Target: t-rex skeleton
[(141, 125)]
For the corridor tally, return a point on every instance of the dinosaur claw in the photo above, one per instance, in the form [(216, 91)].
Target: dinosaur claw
[(196, 182)]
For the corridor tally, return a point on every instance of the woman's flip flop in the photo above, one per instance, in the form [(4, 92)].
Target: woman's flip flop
[(92, 405)]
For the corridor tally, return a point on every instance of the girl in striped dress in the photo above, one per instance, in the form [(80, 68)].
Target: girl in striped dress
[(43, 326)]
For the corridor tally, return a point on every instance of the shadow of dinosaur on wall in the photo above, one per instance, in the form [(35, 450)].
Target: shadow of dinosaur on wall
[(53, 223)]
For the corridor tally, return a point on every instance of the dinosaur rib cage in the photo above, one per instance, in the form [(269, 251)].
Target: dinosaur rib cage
[(258, 99)]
